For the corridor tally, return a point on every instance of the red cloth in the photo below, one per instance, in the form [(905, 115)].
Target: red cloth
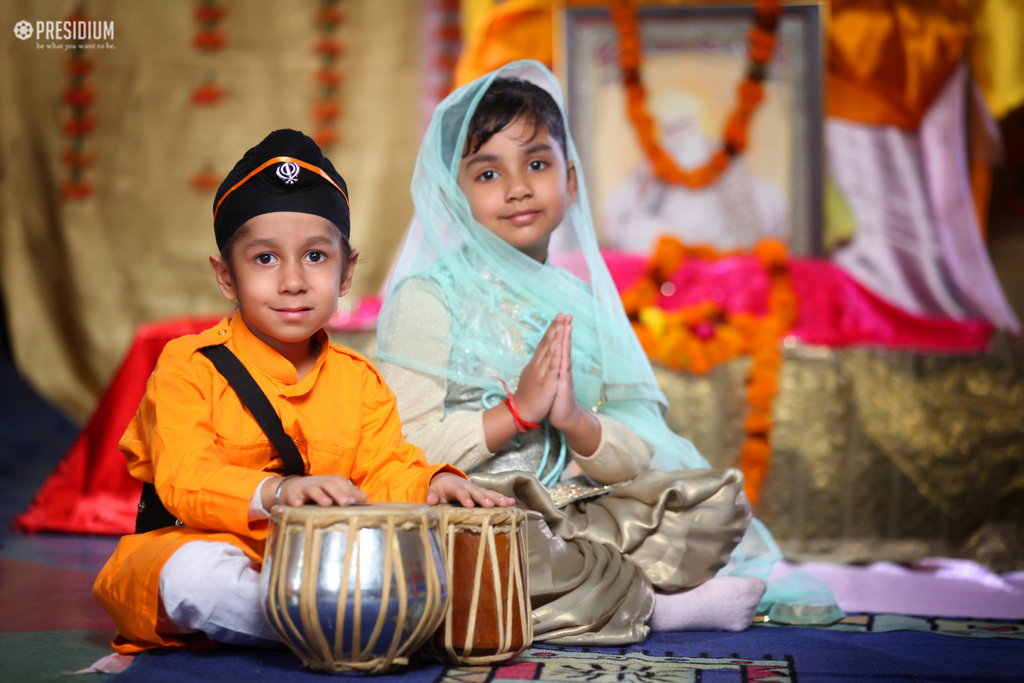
[(91, 491), (832, 308)]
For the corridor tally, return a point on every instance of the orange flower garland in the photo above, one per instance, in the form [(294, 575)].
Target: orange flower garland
[(697, 338), (206, 179), (207, 92), (209, 35), (79, 96), (209, 39), (327, 107), (750, 92), (448, 39)]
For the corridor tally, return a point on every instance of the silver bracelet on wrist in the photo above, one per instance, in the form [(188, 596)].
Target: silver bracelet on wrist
[(280, 485)]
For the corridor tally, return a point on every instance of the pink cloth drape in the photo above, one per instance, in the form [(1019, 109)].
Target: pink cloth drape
[(832, 308)]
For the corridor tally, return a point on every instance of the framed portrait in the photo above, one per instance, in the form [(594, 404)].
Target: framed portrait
[(694, 57)]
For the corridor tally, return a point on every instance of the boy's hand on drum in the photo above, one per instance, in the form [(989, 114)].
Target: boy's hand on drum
[(327, 490), (539, 379), (446, 487)]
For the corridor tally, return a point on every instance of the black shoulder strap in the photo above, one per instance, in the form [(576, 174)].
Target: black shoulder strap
[(258, 404), (152, 514)]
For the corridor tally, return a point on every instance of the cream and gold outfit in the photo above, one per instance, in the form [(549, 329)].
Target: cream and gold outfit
[(595, 562)]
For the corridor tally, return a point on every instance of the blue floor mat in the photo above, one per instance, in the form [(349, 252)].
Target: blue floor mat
[(757, 654)]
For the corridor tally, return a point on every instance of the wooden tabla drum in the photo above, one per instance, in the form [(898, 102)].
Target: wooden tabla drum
[(354, 588), (489, 619)]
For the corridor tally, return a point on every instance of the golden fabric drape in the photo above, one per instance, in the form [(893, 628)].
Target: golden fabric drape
[(78, 277), (877, 455)]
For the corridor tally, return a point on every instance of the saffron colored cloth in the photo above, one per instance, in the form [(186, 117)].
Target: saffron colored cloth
[(90, 491), (511, 30), (832, 308), (196, 442), (888, 61)]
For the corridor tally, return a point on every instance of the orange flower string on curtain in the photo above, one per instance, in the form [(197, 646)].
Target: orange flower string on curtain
[(698, 337), (208, 39), (209, 35), (750, 93), (327, 107), (449, 41), (79, 96), (207, 92), (206, 179)]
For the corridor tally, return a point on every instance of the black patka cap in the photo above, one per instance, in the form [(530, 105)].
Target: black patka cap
[(285, 172)]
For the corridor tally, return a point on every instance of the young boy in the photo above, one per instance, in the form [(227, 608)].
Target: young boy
[(281, 219)]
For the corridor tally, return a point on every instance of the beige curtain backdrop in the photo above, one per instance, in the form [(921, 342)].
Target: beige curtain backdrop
[(79, 276)]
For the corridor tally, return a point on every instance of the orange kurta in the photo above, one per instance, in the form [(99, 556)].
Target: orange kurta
[(205, 453)]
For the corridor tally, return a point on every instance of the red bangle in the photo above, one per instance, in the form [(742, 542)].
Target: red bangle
[(521, 424)]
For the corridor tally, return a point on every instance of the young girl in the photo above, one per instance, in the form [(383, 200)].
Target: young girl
[(282, 223), (477, 301)]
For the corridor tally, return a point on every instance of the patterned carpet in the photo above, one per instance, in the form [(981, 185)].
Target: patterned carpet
[(865, 647)]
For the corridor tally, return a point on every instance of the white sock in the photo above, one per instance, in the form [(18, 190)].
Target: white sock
[(726, 603)]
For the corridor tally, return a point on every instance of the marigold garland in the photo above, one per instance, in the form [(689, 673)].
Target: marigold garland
[(448, 42), (208, 92), (210, 39), (209, 36), (327, 108), (750, 93), (206, 179), (696, 338), (79, 96)]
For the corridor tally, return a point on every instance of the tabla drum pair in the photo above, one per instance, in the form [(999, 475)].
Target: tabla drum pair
[(379, 587)]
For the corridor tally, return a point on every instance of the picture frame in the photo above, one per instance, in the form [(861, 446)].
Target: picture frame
[(695, 55)]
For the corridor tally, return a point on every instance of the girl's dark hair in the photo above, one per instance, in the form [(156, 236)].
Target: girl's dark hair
[(506, 100)]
